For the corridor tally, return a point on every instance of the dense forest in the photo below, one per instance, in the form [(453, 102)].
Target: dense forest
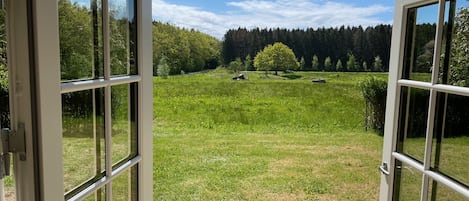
[(184, 50), (336, 43)]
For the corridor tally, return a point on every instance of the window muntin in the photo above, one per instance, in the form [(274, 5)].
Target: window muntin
[(80, 36), (409, 185), (122, 37), (420, 42), (104, 75), (83, 137), (440, 163), (124, 128), (439, 191), (413, 122), (451, 137)]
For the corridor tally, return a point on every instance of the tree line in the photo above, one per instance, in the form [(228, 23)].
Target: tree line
[(323, 45), (183, 50)]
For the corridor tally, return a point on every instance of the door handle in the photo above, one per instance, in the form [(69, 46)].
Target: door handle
[(384, 168)]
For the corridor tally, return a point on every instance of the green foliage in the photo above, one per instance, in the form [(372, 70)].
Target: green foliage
[(187, 50), (378, 64), (374, 92), (315, 63), (328, 64), (4, 98), (424, 62), (277, 57), (235, 66), (302, 64), (163, 68), (339, 67), (352, 63), (248, 63), (337, 42), (76, 41), (365, 66), (459, 63)]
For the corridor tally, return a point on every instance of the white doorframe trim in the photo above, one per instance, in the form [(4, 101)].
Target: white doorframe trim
[(145, 105), (46, 44), (394, 92), (21, 103)]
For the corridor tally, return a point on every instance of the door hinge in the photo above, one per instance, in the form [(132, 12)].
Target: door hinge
[(11, 142)]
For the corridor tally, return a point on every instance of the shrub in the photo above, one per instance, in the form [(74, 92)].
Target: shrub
[(163, 68), (374, 91)]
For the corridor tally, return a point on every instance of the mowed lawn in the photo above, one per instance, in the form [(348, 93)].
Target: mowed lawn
[(265, 138)]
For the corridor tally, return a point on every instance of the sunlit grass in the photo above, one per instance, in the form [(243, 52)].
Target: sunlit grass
[(265, 138)]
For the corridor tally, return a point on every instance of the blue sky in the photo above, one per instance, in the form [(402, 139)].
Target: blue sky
[(215, 17)]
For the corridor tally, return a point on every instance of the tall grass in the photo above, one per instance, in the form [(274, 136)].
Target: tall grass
[(265, 138)]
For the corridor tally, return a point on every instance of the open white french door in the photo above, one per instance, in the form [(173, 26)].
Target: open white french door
[(81, 87), (426, 142)]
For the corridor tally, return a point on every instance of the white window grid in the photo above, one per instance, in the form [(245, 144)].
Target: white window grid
[(105, 83), (434, 89)]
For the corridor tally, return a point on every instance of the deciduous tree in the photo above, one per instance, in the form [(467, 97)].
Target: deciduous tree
[(276, 57)]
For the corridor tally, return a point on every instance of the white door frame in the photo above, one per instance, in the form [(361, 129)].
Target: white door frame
[(37, 97), (395, 83)]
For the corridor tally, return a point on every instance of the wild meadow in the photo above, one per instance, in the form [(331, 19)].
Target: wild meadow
[(265, 138)]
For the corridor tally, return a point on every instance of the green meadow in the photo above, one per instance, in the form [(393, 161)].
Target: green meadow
[(265, 138)]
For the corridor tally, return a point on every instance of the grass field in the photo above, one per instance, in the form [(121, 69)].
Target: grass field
[(265, 138)]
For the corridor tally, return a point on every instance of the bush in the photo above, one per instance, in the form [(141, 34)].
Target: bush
[(374, 91), (163, 68)]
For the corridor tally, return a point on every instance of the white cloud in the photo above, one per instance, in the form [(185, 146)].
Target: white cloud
[(269, 14)]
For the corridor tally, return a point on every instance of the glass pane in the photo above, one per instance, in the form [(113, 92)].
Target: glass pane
[(440, 192), (99, 195), (455, 67), (124, 135), (80, 35), (419, 42), (408, 183), (413, 122), (4, 97), (122, 37), (124, 186), (451, 145), (83, 136)]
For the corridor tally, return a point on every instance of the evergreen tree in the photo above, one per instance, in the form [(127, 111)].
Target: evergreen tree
[(351, 63), (328, 64), (248, 63), (339, 67), (315, 63), (365, 66), (378, 64), (302, 64)]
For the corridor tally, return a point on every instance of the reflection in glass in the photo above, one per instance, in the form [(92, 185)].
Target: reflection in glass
[(80, 35), (408, 182), (451, 142), (122, 37), (124, 135), (455, 68), (83, 137), (124, 186), (440, 192), (420, 42), (99, 195), (413, 122)]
